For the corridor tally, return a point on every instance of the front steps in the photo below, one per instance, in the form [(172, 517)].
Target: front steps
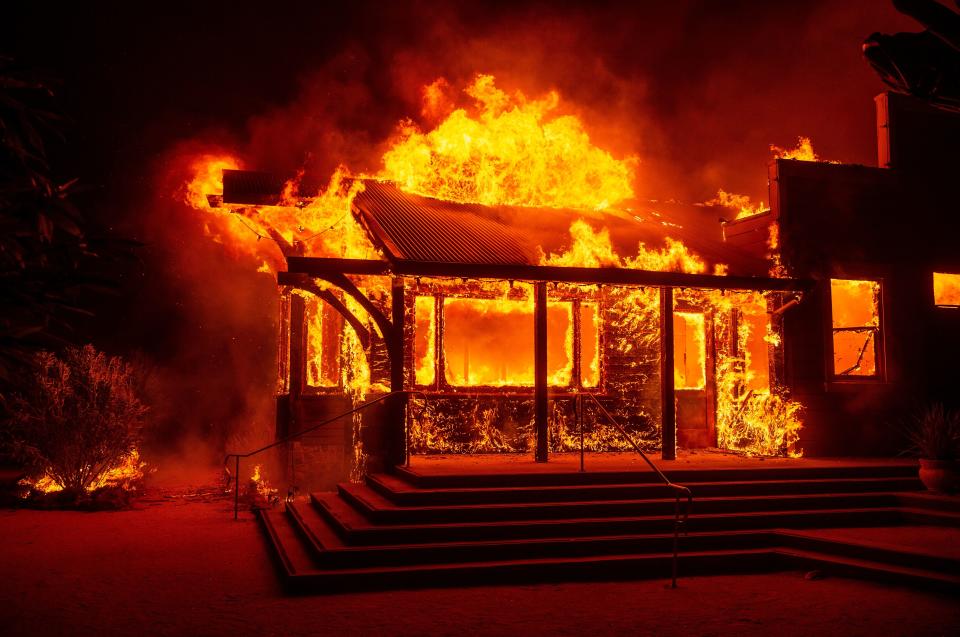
[(405, 530)]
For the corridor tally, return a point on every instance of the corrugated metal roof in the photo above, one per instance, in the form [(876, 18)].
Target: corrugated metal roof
[(423, 229), (410, 227)]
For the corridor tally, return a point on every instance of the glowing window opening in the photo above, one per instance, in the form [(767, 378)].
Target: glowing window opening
[(689, 350), (946, 289), (855, 319), (490, 343), (323, 326)]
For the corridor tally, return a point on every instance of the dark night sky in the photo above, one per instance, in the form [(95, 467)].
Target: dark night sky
[(698, 90)]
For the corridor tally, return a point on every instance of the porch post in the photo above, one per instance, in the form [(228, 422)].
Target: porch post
[(668, 418), (397, 409), (540, 368)]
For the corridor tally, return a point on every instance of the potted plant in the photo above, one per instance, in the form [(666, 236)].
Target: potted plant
[(934, 436)]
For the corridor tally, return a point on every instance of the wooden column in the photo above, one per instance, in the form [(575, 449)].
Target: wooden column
[(297, 357), (540, 368), (397, 408), (668, 419)]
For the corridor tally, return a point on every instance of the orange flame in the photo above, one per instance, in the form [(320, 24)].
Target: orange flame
[(514, 151), (803, 152)]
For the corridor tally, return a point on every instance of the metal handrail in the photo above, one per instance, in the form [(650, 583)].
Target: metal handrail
[(679, 522), (285, 439)]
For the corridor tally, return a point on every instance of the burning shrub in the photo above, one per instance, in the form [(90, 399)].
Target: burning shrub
[(77, 425)]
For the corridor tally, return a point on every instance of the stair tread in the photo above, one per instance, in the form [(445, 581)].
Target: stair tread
[(374, 501), (340, 546), (400, 486), (492, 564), (355, 520)]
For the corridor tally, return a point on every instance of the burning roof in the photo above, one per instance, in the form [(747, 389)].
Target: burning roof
[(411, 227)]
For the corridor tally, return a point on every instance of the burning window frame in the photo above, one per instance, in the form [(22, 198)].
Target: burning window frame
[(877, 331), (574, 297)]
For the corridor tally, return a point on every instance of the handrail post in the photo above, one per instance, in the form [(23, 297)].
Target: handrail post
[(676, 534), (236, 487), (578, 409)]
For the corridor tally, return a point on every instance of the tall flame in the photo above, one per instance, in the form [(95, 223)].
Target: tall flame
[(513, 151)]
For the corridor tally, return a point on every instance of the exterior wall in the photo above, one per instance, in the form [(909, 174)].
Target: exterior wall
[(894, 225)]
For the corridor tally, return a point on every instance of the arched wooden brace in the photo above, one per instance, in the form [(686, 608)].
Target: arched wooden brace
[(392, 332), (305, 283)]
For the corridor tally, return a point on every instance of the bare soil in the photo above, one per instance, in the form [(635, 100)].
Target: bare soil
[(180, 565)]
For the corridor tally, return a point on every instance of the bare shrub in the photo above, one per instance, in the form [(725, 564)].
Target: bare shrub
[(79, 417)]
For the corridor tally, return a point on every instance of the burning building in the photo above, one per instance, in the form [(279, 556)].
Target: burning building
[(519, 306)]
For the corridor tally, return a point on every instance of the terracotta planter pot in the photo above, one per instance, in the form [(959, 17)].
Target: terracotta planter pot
[(940, 475)]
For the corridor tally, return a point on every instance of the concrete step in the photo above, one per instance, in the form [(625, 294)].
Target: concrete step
[(353, 527), (560, 477), (402, 493), (379, 509), (836, 564), (334, 552), (302, 574), (861, 549)]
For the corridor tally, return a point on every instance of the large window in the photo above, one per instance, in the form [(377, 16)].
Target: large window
[(855, 315), (490, 342)]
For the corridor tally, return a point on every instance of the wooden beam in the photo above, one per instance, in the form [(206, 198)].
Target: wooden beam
[(321, 267), (305, 283), (540, 368), (668, 418)]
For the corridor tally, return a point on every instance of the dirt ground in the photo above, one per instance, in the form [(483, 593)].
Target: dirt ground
[(181, 566)]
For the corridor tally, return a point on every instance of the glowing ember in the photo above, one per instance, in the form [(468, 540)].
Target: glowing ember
[(513, 151), (126, 475), (260, 486)]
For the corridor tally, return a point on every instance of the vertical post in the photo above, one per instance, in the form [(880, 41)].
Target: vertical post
[(298, 347), (540, 367), (668, 420), (578, 407), (397, 406), (236, 487)]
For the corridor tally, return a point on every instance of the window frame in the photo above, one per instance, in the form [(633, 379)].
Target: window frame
[(441, 385), (879, 339)]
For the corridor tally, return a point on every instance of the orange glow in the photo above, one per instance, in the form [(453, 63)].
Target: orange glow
[(425, 335), (856, 323), (207, 178), (946, 289), (758, 360), (589, 345), (512, 150), (592, 248), (803, 152), (489, 342), (128, 472), (688, 350), (740, 203), (324, 326)]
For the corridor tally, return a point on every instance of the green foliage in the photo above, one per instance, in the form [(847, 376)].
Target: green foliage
[(79, 417), (934, 433)]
